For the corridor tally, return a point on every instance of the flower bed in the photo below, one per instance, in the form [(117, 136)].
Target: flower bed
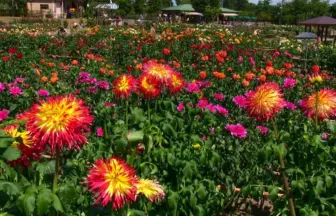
[(114, 121)]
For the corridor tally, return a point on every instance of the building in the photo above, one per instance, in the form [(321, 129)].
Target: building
[(53, 8)]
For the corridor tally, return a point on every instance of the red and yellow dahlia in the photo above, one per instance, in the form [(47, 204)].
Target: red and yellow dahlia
[(326, 104), (176, 83), (23, 141), (124, 85), (59, 122), (161, 72), (112, 180), (149, 86), (265, 101), (151, 189)]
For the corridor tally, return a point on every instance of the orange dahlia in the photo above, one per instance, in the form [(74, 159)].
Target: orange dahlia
[(124, 85), (326, 104), (176, 83), (151, 189), (59, 122), (265, 101), (23, 141), (149, 86), (112, 180), (161, 72)]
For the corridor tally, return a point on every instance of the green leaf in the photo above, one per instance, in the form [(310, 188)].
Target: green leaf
[(68, 194), (201, 191), (44, 199), (169, 130), (148, 141), (5, 141), (26, 203), (193, 200), (246, 190), (46, 168), (329, 181), (187, 171), (133, 212), (284, 136), (121, 144), (273, 191), (331, 126), (11, 153), (173, 200), (135, 137), (9, 188), (319, 187), (57, 203), (170, 159), (200, 211), (282, 149)]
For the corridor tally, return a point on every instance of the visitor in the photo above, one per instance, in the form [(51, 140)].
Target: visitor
[(152, 30)]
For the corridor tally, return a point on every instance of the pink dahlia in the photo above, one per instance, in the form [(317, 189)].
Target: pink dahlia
[(237, 130)]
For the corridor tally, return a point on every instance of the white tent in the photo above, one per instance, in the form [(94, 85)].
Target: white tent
[(111, 6)]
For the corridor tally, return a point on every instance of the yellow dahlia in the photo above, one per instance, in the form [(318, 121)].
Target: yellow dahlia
[(124, 85), (160, 71), (326, 104), (151, 189), (113, 181), (59, 122), (149, 87), (265, 101), (176, 83)]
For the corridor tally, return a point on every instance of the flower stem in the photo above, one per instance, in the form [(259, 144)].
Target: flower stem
[(146, 210), (316, 110), (133, 155), (276, 133), (112, 212), (284, 176), (148, 111), (126, 113), (57, 164)]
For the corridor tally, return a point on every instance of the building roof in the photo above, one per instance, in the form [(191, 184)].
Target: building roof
[(306, 35), (323, 20), (183, 7), (189, 8), (227, 10)]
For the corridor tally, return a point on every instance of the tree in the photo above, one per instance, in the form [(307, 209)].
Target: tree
[(199, 5), (125, 7), (332, 10), (154, 6), (210, 8), (139, 6)]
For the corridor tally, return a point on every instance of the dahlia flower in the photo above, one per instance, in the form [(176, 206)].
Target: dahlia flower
[(265, 101), (161, 72), (240, 101), (149, 86), (263, 130), (176, 83), (289, 83), (326, 104), (59, 122), (151, 189), (113, 181), (3, 114), (237, 130), (124, 85)]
